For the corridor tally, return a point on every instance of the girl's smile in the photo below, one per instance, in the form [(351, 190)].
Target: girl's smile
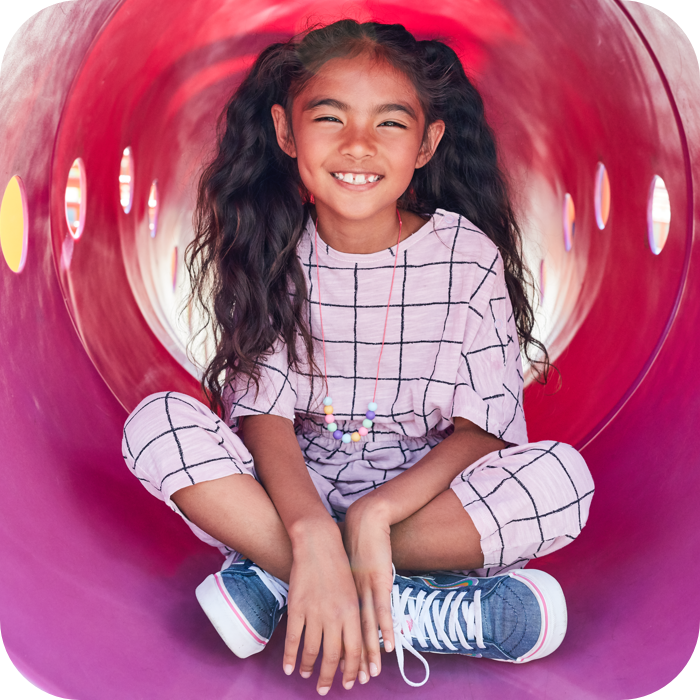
[(357, 178), (357, 134)]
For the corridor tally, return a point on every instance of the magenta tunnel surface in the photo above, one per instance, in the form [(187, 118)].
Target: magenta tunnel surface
[(97, 578)]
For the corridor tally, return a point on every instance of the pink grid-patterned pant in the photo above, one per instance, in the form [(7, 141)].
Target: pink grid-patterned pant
[(525, 501)]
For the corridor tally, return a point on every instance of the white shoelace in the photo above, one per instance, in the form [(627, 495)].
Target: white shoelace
[(412, 620)]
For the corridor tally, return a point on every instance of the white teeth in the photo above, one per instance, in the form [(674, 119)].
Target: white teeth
[(355, 178)]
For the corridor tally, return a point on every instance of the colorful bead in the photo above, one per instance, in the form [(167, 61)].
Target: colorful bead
[(338, 434)]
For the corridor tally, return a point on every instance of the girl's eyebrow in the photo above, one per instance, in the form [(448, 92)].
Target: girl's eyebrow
[(381, 109)]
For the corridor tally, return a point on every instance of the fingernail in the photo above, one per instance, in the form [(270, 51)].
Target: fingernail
[(305, 674), (288, 669), (373, 670), (348, 685), (388, 646), (323, 691), (363, 677)]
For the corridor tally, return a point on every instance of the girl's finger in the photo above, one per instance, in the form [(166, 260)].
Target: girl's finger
[(331, 657), (370, 633), (363, 673), (312, 646), (352, 652), (382, 610), (295, 626)]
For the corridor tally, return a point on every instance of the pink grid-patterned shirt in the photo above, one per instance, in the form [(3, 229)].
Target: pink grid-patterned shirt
[(451, 344)]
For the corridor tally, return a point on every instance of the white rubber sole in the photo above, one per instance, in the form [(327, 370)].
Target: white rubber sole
[(228, 620), (552, 608)]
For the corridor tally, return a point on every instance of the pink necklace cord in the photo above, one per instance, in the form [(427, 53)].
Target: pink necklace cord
[(388, 304)]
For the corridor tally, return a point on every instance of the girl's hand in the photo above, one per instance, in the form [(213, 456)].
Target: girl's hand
[(367, 539), (322, 598)]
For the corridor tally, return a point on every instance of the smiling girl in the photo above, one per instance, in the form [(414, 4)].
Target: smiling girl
[(361, 264)]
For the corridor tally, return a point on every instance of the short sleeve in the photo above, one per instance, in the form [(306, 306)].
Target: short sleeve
[(489, 383), (277, 395)]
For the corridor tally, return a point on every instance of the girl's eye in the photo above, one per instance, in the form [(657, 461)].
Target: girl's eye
[(386, 123)]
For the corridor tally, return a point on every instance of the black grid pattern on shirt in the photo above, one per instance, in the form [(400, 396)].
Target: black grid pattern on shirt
[(408, 336)]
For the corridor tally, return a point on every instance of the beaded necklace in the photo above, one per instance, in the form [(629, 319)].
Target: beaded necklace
[(367, 423)]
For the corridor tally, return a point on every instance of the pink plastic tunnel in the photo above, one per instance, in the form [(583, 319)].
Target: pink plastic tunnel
[(97, 578)]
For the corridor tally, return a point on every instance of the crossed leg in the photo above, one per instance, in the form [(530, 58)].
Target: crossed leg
[(441, 535)]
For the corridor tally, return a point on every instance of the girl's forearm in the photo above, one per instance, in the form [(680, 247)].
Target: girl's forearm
[(282, 471), (407, 493)]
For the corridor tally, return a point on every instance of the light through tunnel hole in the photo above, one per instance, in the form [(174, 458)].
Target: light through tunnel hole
[(658, 215), (569, 222), (75, 198), (126, 180), (602, 196), (153, 205), (14, 222)]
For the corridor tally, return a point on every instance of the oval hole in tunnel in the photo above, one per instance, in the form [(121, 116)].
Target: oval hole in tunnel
[(76, 194), (569, 221), (126, 180), (14, 224), (543, 280), (658, 215), (153, 202), (602, 196), (173, 268)]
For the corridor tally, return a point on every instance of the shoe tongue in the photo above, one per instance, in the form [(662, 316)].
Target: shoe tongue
[(494, 623)]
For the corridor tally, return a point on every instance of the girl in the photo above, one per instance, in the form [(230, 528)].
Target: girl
[(356, 243)]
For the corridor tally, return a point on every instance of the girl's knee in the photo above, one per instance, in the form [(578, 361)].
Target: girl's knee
[(171, 439), (166, 413), (163, 400), (573, 461), (556, 458)]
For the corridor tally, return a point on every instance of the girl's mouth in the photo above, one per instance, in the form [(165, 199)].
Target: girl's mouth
[(357, 178)]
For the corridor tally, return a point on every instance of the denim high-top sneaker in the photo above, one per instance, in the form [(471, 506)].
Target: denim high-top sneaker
[(244, 603), (517, 617)]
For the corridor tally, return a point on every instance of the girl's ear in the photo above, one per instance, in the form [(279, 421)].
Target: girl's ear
[(435, 133), (283, 131)]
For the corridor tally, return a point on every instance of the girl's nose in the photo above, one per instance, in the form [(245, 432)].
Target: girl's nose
[(358, 143)]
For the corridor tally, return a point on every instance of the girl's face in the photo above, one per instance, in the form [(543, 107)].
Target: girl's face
[(357, 134)]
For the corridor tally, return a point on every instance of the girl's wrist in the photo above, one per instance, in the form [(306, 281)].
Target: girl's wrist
[(310, 531), (371, 507)]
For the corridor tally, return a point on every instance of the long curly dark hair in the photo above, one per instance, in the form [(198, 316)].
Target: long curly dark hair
[(252, 206)]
